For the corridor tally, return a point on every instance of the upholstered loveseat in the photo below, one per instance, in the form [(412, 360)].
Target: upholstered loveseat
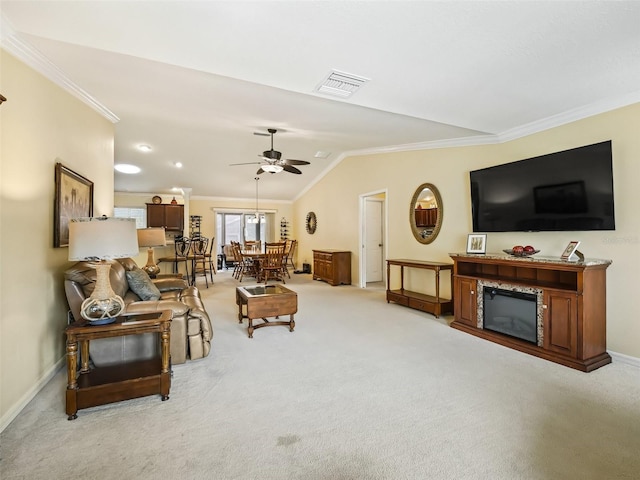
[(191, 329)]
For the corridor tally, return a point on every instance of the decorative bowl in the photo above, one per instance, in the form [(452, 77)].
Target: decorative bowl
[(520, 254)]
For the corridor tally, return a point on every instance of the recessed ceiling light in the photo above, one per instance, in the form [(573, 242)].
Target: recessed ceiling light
[(321, 154), (144, 148), (126, 168), (178, 164)]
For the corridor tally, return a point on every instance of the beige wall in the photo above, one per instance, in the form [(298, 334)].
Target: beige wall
[(40, 125), (335, 200)]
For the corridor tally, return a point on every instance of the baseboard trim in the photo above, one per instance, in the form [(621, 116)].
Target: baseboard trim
[(27, 397), (622, 358)]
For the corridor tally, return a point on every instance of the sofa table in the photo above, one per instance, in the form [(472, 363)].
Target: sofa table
[(113, 383), (264, 301), (435, 305)]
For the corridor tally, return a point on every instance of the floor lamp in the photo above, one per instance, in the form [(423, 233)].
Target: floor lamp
[(99, 239), (151, 237)]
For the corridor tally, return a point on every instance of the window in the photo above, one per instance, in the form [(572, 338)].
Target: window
[(139, 213), (240, 227)]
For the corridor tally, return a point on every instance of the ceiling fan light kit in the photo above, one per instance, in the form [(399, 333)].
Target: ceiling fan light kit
[(272, 168)]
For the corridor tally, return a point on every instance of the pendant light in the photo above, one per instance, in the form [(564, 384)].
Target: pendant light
[(257, 211)]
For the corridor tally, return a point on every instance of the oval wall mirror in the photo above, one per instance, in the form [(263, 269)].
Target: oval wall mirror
[(425, 213)]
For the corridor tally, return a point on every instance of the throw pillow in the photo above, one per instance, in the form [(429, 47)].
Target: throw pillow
[(141, 284)]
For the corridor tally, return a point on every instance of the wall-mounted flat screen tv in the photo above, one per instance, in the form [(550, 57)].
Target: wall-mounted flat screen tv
[(570, 190)]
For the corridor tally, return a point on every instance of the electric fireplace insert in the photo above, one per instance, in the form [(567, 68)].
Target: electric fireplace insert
[(511, 313)]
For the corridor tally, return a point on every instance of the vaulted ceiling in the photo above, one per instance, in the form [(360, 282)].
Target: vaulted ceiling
[(195, 80)]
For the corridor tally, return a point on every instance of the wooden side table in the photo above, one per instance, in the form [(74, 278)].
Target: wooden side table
[(123, 381)]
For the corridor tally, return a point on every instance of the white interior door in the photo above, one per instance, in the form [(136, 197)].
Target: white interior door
[(373, 239)]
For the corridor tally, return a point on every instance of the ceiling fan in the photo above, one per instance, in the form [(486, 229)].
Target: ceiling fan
[(272, 160)]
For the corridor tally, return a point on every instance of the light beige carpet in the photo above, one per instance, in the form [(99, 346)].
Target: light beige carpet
[(361, 390)]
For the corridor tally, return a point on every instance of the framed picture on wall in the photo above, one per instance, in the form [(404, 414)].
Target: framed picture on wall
[(477, 243), (74, 198)]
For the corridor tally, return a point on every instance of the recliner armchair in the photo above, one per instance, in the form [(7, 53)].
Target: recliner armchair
[(191, 329)]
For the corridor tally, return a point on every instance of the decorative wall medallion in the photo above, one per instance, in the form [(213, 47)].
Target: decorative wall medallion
[(311, 223)]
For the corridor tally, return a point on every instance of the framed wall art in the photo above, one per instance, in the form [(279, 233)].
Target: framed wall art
[(74, 198), (477, 243)]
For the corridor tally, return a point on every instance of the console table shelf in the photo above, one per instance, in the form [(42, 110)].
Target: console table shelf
[(571, 304), (420, 301)]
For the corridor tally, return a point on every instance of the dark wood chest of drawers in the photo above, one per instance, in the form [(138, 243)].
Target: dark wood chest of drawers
[(332, 266)]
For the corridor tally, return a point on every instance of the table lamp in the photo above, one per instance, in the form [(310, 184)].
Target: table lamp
[(151, 237), (99, 239)]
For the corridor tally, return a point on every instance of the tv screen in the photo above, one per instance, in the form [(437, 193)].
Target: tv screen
[(570, 190)]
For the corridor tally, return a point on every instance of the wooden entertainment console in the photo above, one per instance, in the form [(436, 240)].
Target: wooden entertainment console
[(572, 305)]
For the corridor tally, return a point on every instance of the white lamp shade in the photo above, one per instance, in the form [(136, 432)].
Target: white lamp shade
[(103, 238), (152, 237)]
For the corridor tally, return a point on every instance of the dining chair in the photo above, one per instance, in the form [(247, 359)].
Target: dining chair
[(237, 264), (290, 246), (253, 245), (211, 267), (271, 262), (198, 259), (246, 266), (182, 245)]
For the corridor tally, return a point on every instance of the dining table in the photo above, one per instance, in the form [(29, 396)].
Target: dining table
[(255, 255)]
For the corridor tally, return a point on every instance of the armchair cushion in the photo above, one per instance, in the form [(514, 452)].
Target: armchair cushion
[(170, 284), (141, 284)]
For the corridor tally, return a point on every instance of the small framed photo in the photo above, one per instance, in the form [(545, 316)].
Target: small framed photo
[(570, 250), (477, 243)]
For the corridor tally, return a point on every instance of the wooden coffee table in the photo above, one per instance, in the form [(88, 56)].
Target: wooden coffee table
[(264, 301)]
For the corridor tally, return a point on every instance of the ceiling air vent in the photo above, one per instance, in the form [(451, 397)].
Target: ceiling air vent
[(341, 84)]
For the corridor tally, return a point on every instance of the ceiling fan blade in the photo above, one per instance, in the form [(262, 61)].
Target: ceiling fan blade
[(290, 161), (246, 163), (290, 169), (260, 171), (262, 134)]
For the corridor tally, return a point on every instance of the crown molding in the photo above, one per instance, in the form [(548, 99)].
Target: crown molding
[(569, 116), (25, 52), (236, 199)]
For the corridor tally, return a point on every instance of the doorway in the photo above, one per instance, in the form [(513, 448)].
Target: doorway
[(373, 235)]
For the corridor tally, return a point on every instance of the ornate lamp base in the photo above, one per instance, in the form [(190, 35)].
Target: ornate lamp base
[(151, 268), (103, 305)]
